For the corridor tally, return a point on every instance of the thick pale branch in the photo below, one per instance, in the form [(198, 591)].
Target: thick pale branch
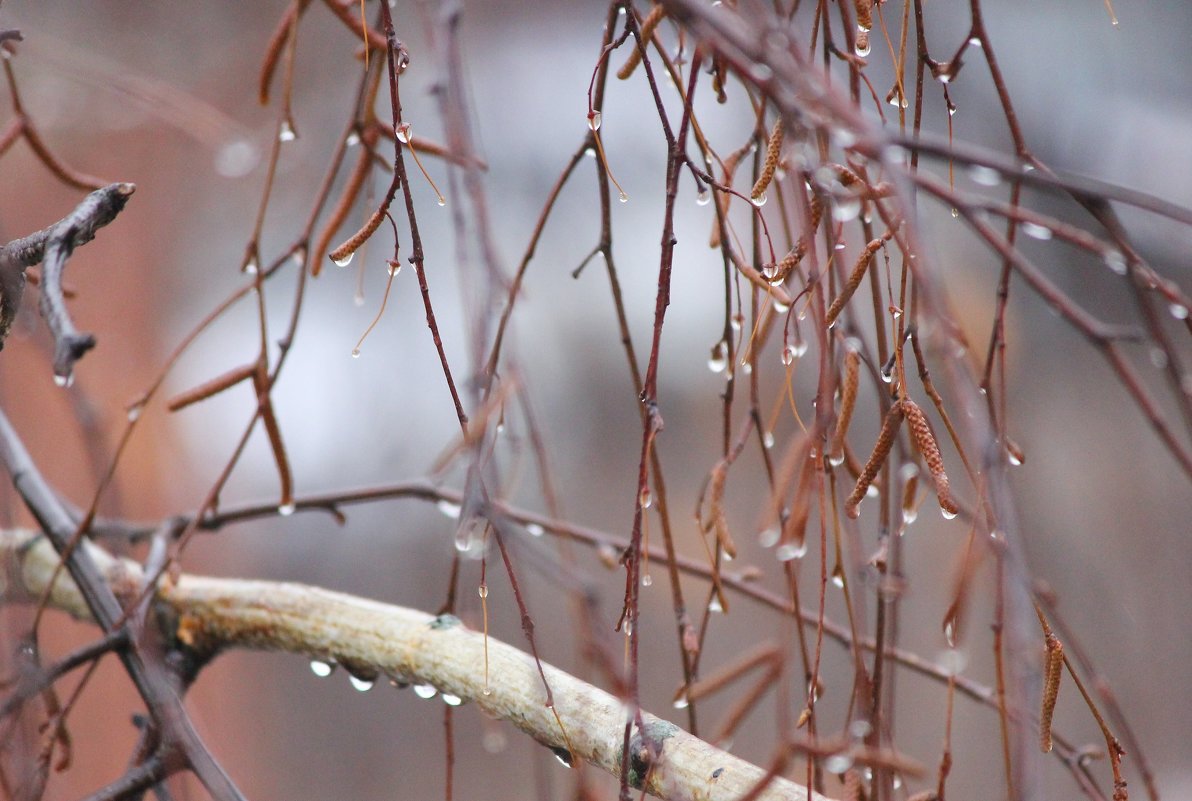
[(372, 640)]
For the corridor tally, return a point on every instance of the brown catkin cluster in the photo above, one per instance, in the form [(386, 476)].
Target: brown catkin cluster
[(885, 441), (848, 400), (1053, 670), (773, 149), (647, 32), (927, 446), (854, 281)]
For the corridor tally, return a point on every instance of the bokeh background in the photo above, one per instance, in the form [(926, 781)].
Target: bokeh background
[(163, 95)]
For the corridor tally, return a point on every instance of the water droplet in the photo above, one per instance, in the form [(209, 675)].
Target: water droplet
[(359, 684), (353, 139), (404, 133), (535, 530), (1115, 261), (1159, 357), (1179, 311), (563, 755), (947, 514), (950, 632), (1036, 231), (985, 176), (424, 691), (487, 690), (838, 763), (594, 120), (951, 109), (286, 509), (872, 492), (482, 590), (955, 213), (393, 267), (452, 700), (134, 412), (736, 321), (647, 580), (789, 551), (286, 133), (703, 197), (768, 439), (910, 514), (843, 138), (448, 509), (908, 471), (769, 537), (355, 353), (859, 729), (719, 358), (975, 41), (788, 355), (321, 669), (236, 159), (836, 459), (645, 499), (779, 306), (953, 661), (759, 200), (64, 380), (345, 261), (681, 702), (714, 604), (846, 209), (624, 198), (863, 48), (838, 576)]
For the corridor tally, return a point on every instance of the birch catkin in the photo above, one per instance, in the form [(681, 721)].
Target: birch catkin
[(647, 32), (927, 446), (885, 440), (773, 148)]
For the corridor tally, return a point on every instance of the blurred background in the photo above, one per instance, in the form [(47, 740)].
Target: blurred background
[(164, 95)]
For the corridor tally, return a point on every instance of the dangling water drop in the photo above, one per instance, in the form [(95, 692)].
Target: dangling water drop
[(448, 509), (1115, 261), (321, 669), (393, 267), (359, 684), (647, 580), (482, 590), (769, 537), (719, 358), (594, 120), (645, 499), (788, 355), (355, 353), (838, 576), (1036, 231), (64, 380), (424, 691), (788, 551), (134, 412), (714, 604), (345, 261), (624, 198), (286, 133), (286, 509), (534, 530), (703, 197), (759, 201), (404, 133), (451, 700), (846, 209), (985, 176)]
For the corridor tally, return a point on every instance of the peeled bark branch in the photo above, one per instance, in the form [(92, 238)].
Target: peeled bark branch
[(372, 640)]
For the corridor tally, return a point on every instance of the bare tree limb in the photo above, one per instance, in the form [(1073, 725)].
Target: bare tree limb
[(53, 245), (372, 640)]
